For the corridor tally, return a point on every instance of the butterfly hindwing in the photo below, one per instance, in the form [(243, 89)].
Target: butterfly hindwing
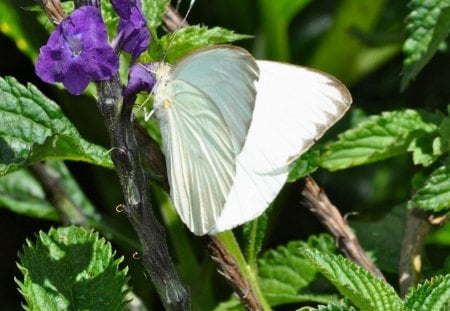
[(294, 107)]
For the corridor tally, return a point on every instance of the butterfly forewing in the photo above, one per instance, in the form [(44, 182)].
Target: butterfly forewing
[(227, 75), (199, 154)]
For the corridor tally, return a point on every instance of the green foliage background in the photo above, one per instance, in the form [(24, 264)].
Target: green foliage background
[(360, 42)]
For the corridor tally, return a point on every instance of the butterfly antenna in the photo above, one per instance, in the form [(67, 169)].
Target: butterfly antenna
[(179, 25), (147, 115)]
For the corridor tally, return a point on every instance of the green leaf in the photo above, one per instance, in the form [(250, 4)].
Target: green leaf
[(190, 38), (304, 166), (233, 304), (276, 17), (154, 11), (71, 269), (343, 54), (342, 306), (433, 294), (380, 137), (434, 194), (22, 194), (366, 291), (373, 235), (285, 274), (428, 25), (34, 128)]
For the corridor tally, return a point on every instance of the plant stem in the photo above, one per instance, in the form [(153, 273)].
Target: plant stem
[(125, 155), (228, 255)]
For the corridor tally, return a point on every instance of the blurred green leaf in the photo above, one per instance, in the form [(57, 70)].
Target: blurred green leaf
[(13, 24), (22, 194), (190, 38), (380, 137), (343, 54), (365, 290), (434, 194), (276, 17), (428, 25), (68, 268), (285, 273), (433, 294), (33, 129)]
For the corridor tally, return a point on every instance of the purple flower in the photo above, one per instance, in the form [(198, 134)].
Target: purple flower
[(78, 52), (140, 79), (133, 35)]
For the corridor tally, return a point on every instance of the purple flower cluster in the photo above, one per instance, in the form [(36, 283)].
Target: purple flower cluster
[(78, 51)]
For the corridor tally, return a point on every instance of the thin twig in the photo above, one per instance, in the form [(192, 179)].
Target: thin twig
[(319, 204), (416, 230), (53, 9), (230, 270), (50, 181), (172, 20)]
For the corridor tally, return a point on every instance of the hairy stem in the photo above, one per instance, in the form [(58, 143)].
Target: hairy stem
[(227, 253)]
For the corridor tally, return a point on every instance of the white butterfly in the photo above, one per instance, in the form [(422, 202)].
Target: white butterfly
[(231, 126)]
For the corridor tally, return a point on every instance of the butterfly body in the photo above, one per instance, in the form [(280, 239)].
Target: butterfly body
[(231, 126)]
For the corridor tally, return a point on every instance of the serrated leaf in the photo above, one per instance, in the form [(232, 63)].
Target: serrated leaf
[(154, 11), (434, 195), (380, 137), (285, 273), (190, 38), (304, 166), (22, 194), (433, 294), (34, 128), (366, 291), (71, 269), (342, 306), (428, 25)]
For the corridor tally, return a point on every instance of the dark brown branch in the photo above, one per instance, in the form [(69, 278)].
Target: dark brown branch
[(416, 230), (318, 203), (230, 270)]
